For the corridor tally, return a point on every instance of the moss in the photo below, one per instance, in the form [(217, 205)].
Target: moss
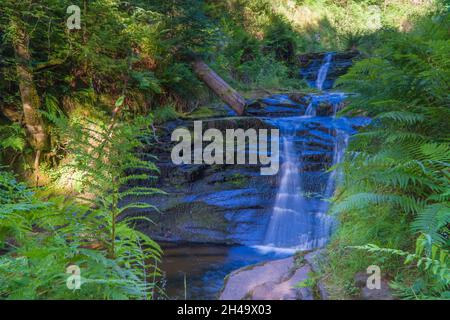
[(299, 259), (202, 113), (238, 180)]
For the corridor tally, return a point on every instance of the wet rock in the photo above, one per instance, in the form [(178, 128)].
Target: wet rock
[(273, 280), (311, 167), (277, 105), (301, 98), (227, 204), (233, 211), (328, 109), (184, 173), (234, 123), (276, 111), (232, 204), (360, 122), (317, 156), (253, 104), (324, 109)]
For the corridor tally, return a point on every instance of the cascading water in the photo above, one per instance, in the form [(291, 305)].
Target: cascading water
[(310, 110), (299, 218), (323, 71), (338, 155), (312, 141)]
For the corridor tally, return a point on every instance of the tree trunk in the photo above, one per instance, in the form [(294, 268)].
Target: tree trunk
[(219, 86), (30, 100)]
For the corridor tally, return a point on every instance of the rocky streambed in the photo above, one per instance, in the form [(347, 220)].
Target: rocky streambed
[(232, 204), (215, 219)]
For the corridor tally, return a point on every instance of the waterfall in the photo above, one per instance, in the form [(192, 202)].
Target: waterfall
[(323, 71), (338, 155), (310, 110), (299, 219), (289, 226)]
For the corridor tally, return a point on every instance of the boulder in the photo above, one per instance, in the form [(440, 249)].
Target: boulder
[(272, 280)]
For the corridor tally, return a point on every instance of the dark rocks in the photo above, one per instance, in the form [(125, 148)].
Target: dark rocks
[(234, 123), (301, 98), (275, 111), (316, 259), (232, 204), (325, 109), (228, 204), (310, 64), (225, 206), (278, 105)]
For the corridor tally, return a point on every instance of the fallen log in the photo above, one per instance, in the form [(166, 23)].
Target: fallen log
[(219, 86)]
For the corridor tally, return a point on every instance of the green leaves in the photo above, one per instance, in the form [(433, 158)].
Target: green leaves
[(146, 80), (119, 101), (431, 220), (401, 116), (111, 169), (116, 261), (12, 136), (434, 260), (399, 164), (361, 200)]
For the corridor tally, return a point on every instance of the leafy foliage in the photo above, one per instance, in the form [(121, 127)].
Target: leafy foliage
[(430, 258), (134, 56), (399, 164), (12, 137), (42, 238)]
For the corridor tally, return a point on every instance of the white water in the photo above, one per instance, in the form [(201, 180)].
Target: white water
[(323, 71), (310, 110), (338, 155), (289, 226), (299, 221)]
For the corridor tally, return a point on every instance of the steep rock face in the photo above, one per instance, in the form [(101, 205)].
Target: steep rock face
[(228, 204), (208, 203), (231, 204)]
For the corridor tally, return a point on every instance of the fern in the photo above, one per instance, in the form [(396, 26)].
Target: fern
[(116, 261), (429, 257), (432, 220), (399, 164)]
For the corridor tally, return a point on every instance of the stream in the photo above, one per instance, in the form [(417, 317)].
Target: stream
[(311, 142)]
